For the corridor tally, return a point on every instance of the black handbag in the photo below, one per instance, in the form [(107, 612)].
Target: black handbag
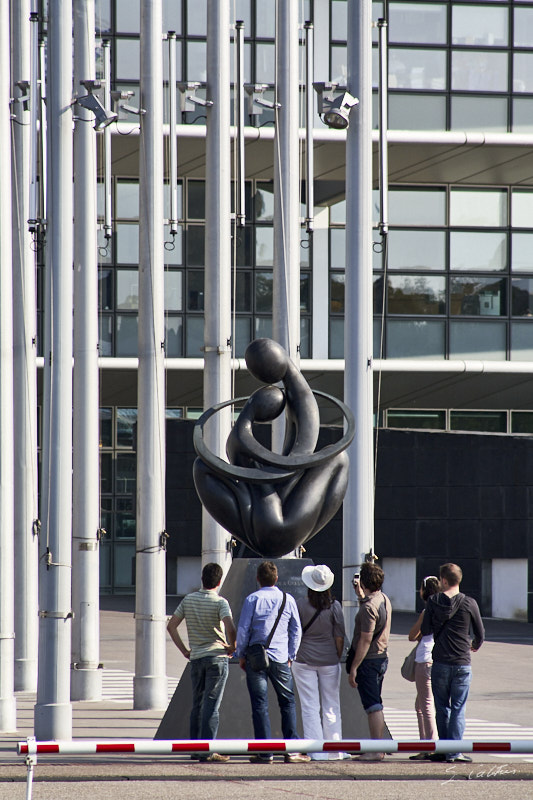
[(256, 654)]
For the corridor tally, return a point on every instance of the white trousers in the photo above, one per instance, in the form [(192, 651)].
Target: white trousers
[(318, 690)]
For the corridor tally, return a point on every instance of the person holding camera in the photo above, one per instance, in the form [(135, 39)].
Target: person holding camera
[(369, 648)]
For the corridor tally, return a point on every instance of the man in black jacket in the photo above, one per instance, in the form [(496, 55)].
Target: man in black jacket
[(449, 616)]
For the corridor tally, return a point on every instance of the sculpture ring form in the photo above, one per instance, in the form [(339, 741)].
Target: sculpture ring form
[(290, 464)]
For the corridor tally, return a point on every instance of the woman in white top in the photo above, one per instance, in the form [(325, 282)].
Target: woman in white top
[(317, 669), (424, 706)]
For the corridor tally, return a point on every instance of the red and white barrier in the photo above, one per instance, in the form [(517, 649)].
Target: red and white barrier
[(163, 747)]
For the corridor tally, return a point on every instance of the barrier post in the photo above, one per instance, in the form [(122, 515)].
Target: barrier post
[(30, 761)]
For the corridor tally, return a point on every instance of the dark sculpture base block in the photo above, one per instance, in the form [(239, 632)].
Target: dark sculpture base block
[(235, 709)]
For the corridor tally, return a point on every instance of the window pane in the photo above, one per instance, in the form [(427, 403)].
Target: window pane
[(478, 340), (480, 25), (522, 252), (433, 420), (196, 199), (521, 421), (336, 338), (337, 240), (523, 72), (416, 294), (263, 292), (173, 291), (127, 335), (127, 60), (106, 427), (305, 292), (126, 470), (172, 16), (417, 207), (417, 249), (126, 419), (173, 336), (243, 291), (265, 19), (102, 15), (106, 473), (243, 12), (478, 208), (264, 246), (522, 298), (478, 296), (127, 289), (197, 17), (195, 290), (127, 200), (336, 293), (105, 335), (195, 337), (483, 421), (417, 113), (522, 115), (479, 71), (305, 337), (417, 69), (264, 201), (196, 68), (196, 245), (521, 341), (377, 292), (105, 289), (264, 63), (339, 19), (479, 114), (128, 16), (415, 339), (124, 566), (523, 27), (243, 327), (125, 518), (419, 23), (127, 244), (337, 213), (243, 248), (478, 251), (522, 209), (339, 65), (263, 327)]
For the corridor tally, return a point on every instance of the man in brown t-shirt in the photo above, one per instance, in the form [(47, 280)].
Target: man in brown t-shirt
[(370, 642)]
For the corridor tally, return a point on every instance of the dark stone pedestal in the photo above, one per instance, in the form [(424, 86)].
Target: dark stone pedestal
[(235, 709)]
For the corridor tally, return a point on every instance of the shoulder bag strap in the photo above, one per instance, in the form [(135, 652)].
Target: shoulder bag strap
[(280, 612), (308, 624)]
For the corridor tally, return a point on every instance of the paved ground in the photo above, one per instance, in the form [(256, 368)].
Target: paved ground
[(500, 707)]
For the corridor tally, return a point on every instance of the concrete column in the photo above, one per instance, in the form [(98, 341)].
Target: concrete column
[(359, 501), (86, 678), (53, 711), (150, 683)]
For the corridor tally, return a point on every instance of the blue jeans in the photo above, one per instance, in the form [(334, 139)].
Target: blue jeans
[(450, 685), (280, 676), (209, 676)]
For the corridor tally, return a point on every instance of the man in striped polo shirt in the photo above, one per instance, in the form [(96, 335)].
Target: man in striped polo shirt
[(211, 635)]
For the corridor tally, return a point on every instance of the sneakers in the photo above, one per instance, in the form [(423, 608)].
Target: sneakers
[(215, 758), (420, 757), (297, 758), (261, 759), (461, 758), (436, 757)]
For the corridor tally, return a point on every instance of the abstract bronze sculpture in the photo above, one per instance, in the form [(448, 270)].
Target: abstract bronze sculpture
[(274, 502)]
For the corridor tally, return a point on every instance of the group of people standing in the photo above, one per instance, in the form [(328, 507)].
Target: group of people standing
[(304, 641), (443, 670)]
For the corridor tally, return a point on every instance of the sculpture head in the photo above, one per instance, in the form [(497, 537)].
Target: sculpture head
[(266, 403), (266, 360)]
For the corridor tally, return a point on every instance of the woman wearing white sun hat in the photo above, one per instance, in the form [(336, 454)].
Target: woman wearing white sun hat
[(317, 669)]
